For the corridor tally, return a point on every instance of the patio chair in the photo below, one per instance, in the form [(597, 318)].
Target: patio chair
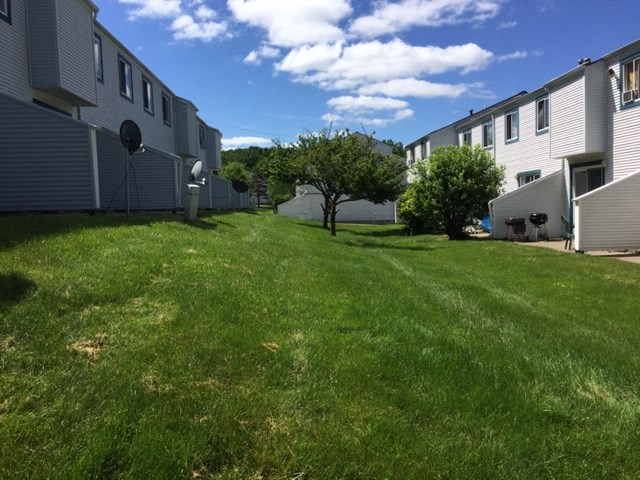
[(568, 232)]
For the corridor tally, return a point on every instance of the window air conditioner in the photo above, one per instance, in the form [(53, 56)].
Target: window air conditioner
[(629, 96)]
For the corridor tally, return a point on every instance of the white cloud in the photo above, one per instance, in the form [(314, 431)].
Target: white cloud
[(153, 8), (390, 18), (292, 23), (413, 87), (367, 110), (265, 51), (372, 62), (512, 56), (237, 142), (511, 24), (185, 27), (205, 13), (310, 58)]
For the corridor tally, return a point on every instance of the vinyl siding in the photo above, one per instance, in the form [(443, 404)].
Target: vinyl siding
[(187, 144), (113, 109), (152, 177), (567, 118), (214, 146), (46, 160), (623, 132), (529, 152), (545, 195), (61, 49), (446, 136), (14, 74), (595, 109), (607, 218)]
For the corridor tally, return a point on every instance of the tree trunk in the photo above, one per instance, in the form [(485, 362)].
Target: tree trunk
[(325, 212), (333, 219)]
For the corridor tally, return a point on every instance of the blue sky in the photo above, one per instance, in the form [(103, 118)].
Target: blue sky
[(270, 69)]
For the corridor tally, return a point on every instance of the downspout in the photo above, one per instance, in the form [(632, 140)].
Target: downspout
[(175, 151)]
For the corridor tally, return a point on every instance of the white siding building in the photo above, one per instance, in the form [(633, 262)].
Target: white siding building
[(66, 86), (570, 148)]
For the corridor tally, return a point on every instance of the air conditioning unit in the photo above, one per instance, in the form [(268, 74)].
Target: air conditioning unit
[(629, 96)]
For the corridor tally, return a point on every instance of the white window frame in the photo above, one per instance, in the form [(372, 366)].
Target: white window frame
[(487, 134), (166, 109), (630, 89), (423, 150), (147, 95), (465, 134), (544, 101), (97, 53), (511, 126), (125, 78), (528, 177), (5, 11)]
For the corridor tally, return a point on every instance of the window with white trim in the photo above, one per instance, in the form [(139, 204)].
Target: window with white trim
[(487, 134), (527, 177), (511, 126), (631, 81), (147, 95), (466, 137), (5, 11), (423, 150), (411, 157), (97, 57), (542, 114), (126, 80), (166, 110)]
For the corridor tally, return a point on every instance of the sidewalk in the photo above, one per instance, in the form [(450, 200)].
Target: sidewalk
[(628, 255)]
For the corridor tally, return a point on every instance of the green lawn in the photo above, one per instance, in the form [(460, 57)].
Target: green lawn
[(251, 346)]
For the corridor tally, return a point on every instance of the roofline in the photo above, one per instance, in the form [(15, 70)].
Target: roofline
[(489, 110)]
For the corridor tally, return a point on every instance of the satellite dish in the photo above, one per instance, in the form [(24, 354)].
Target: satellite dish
[(130, 135), (239, 186), (195, 171)]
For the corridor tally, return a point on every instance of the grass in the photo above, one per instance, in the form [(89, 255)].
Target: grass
[(255, 346)]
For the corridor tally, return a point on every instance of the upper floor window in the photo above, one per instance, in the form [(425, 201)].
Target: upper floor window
[(511, 126), (466, 137), (126, 80), (631, 81), (528, 177), (411, 158), (5, 11), (542, 114), (423, 150), (487, 134), (97, 56), (147, 95), (166, 109), (203, 142)]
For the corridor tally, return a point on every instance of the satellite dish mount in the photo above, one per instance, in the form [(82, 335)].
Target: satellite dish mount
[(131, 139)]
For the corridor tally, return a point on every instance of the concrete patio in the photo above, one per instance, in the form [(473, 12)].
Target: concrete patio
[(628, 255)]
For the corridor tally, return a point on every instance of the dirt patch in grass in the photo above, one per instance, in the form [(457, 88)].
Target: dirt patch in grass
[(89, 346), (7, 343)]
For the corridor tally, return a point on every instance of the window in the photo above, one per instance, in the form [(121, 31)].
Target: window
[(487, 134), (631, 81), (203, 143), (411, 156), (166, 110), (511, 126), (126, 82), (423, 150), (97, 56), (528, 177), (147, 95), (5, 11), (466, 137), (542, 114)]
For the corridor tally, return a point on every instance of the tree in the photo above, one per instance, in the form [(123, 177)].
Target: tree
[(452, 188), (236, 172), (343, 167), (397, 147)]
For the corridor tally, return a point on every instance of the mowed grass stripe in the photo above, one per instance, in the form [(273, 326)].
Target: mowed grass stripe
[(255, 346)]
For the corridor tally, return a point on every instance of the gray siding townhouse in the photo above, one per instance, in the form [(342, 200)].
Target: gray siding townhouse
[(65, 89), (571, 147)]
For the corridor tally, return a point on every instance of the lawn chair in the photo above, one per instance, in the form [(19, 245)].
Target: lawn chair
[(568, 232)]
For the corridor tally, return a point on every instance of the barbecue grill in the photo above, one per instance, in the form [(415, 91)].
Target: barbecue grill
[(515, 226), (538, 221)]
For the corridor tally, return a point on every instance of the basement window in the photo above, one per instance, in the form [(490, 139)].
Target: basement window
[(528, 177)]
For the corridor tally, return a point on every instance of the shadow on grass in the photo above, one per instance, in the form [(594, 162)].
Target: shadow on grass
[(16, 228), (13, 288), (385, 246)]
